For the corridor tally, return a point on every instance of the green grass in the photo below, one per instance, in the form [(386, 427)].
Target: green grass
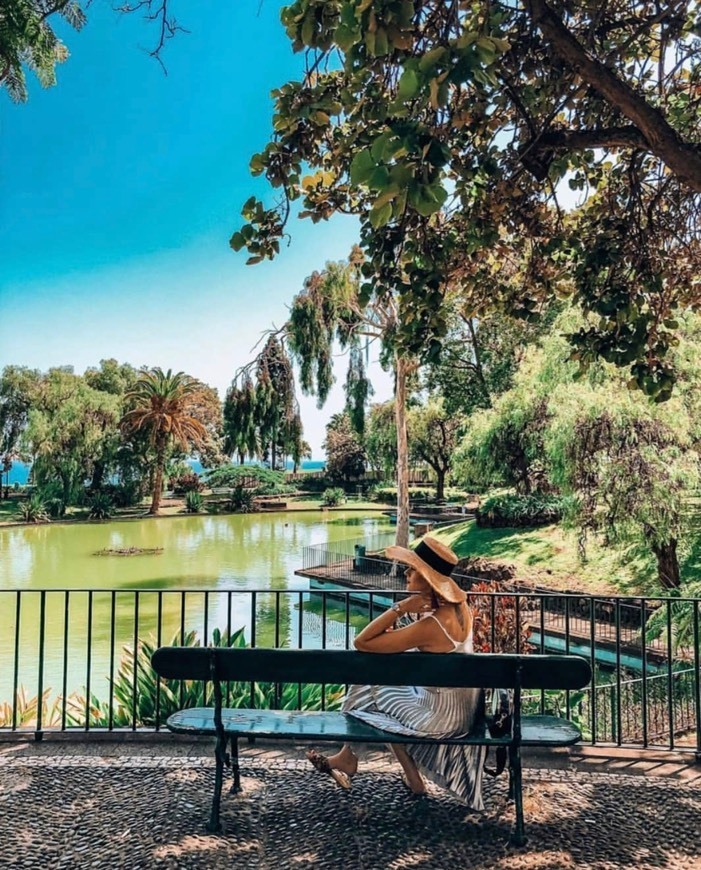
[(547, 556), (9, 509)]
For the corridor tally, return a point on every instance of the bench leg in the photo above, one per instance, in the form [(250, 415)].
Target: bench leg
[(516, 793), (235, 769), (214, 825)]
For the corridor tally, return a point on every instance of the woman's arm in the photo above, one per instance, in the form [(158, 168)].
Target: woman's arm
[(376, 637)]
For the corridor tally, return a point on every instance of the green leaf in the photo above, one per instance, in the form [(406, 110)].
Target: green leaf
[(237, 241), (362, 167), (431, 59), (379, 178), (379, 145), (380, 216), (308, 29), (257, 164), (346, 37), (409, 85)]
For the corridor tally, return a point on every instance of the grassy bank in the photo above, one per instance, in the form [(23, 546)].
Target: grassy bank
[(547, 556), (10, 516)]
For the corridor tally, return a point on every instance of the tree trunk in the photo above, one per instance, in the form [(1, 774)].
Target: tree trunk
[(158, 478), (98, 473), (66, 482), (402, 369), (440, 483), (667, 564)]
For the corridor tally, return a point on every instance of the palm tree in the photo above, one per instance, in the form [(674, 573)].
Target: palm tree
[(159, 406)]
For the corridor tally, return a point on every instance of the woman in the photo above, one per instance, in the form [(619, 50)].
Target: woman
[(443, 624)]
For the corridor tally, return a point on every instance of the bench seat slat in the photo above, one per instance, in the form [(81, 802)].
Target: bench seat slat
[(337, 727)]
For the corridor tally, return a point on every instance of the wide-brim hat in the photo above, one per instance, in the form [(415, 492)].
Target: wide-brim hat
[(435, 562)]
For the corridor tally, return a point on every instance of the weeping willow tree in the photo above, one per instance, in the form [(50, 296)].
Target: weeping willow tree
[(358, 388), (240, 420), (335, 307), (279, 423), (261, 417)]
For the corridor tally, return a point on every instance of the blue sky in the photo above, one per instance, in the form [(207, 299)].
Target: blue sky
[(120, 187)]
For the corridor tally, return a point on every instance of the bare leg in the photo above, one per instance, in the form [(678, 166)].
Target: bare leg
[(411, 772)]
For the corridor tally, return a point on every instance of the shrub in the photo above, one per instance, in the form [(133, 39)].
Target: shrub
[(51, 495), (313, 482), (262, 480), (101, 506), (193, 502), (495, 625), (387, 494), (520, 510), (33, 510), (241, 499), (186, 483), (333, 496)]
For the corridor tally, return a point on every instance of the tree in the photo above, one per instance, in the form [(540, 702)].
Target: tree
[(628, 466), (358, 388), (334, 306), (381, 440), (302, 451), (203, 404), (504, 446), (28, 40), (158, 405), (433, 438), (69, 425), (630, 476), (18, 386), (279, 423), (449, 129), (262, 419), (480, 357), (240, 422), (345, 456), (116, 379)]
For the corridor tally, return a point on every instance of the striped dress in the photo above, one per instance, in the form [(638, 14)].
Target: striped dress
[(425, 711)]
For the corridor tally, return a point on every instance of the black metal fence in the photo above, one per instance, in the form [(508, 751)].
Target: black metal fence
[(69, 663)]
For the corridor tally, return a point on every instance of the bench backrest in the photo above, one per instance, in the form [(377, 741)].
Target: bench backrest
[(480, 670)]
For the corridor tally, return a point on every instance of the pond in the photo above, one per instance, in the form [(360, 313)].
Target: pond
[(72, 641)]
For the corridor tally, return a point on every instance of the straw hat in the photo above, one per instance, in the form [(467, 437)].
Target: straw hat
[(435, 562)]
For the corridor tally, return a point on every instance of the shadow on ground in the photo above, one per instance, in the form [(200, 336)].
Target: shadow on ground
[(140, 813)]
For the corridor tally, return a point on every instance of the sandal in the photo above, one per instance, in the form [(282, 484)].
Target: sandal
[(321, 763)]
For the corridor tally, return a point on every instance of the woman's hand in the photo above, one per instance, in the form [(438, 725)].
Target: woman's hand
[(415, 604)]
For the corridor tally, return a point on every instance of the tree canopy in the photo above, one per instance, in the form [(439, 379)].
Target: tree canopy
[(451, 129), (164, 406), (628, 467), (28, 39)]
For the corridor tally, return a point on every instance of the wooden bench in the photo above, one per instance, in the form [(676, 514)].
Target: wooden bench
[(220, 665)]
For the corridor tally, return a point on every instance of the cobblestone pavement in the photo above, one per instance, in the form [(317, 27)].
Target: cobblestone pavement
[(61, 809)]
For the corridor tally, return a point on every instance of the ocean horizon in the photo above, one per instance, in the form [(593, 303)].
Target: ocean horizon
[(19, 473)]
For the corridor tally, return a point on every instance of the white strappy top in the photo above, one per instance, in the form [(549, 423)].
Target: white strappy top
[(463, 646)]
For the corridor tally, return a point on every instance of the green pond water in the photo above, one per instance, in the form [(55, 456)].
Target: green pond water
[(112, 599)]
